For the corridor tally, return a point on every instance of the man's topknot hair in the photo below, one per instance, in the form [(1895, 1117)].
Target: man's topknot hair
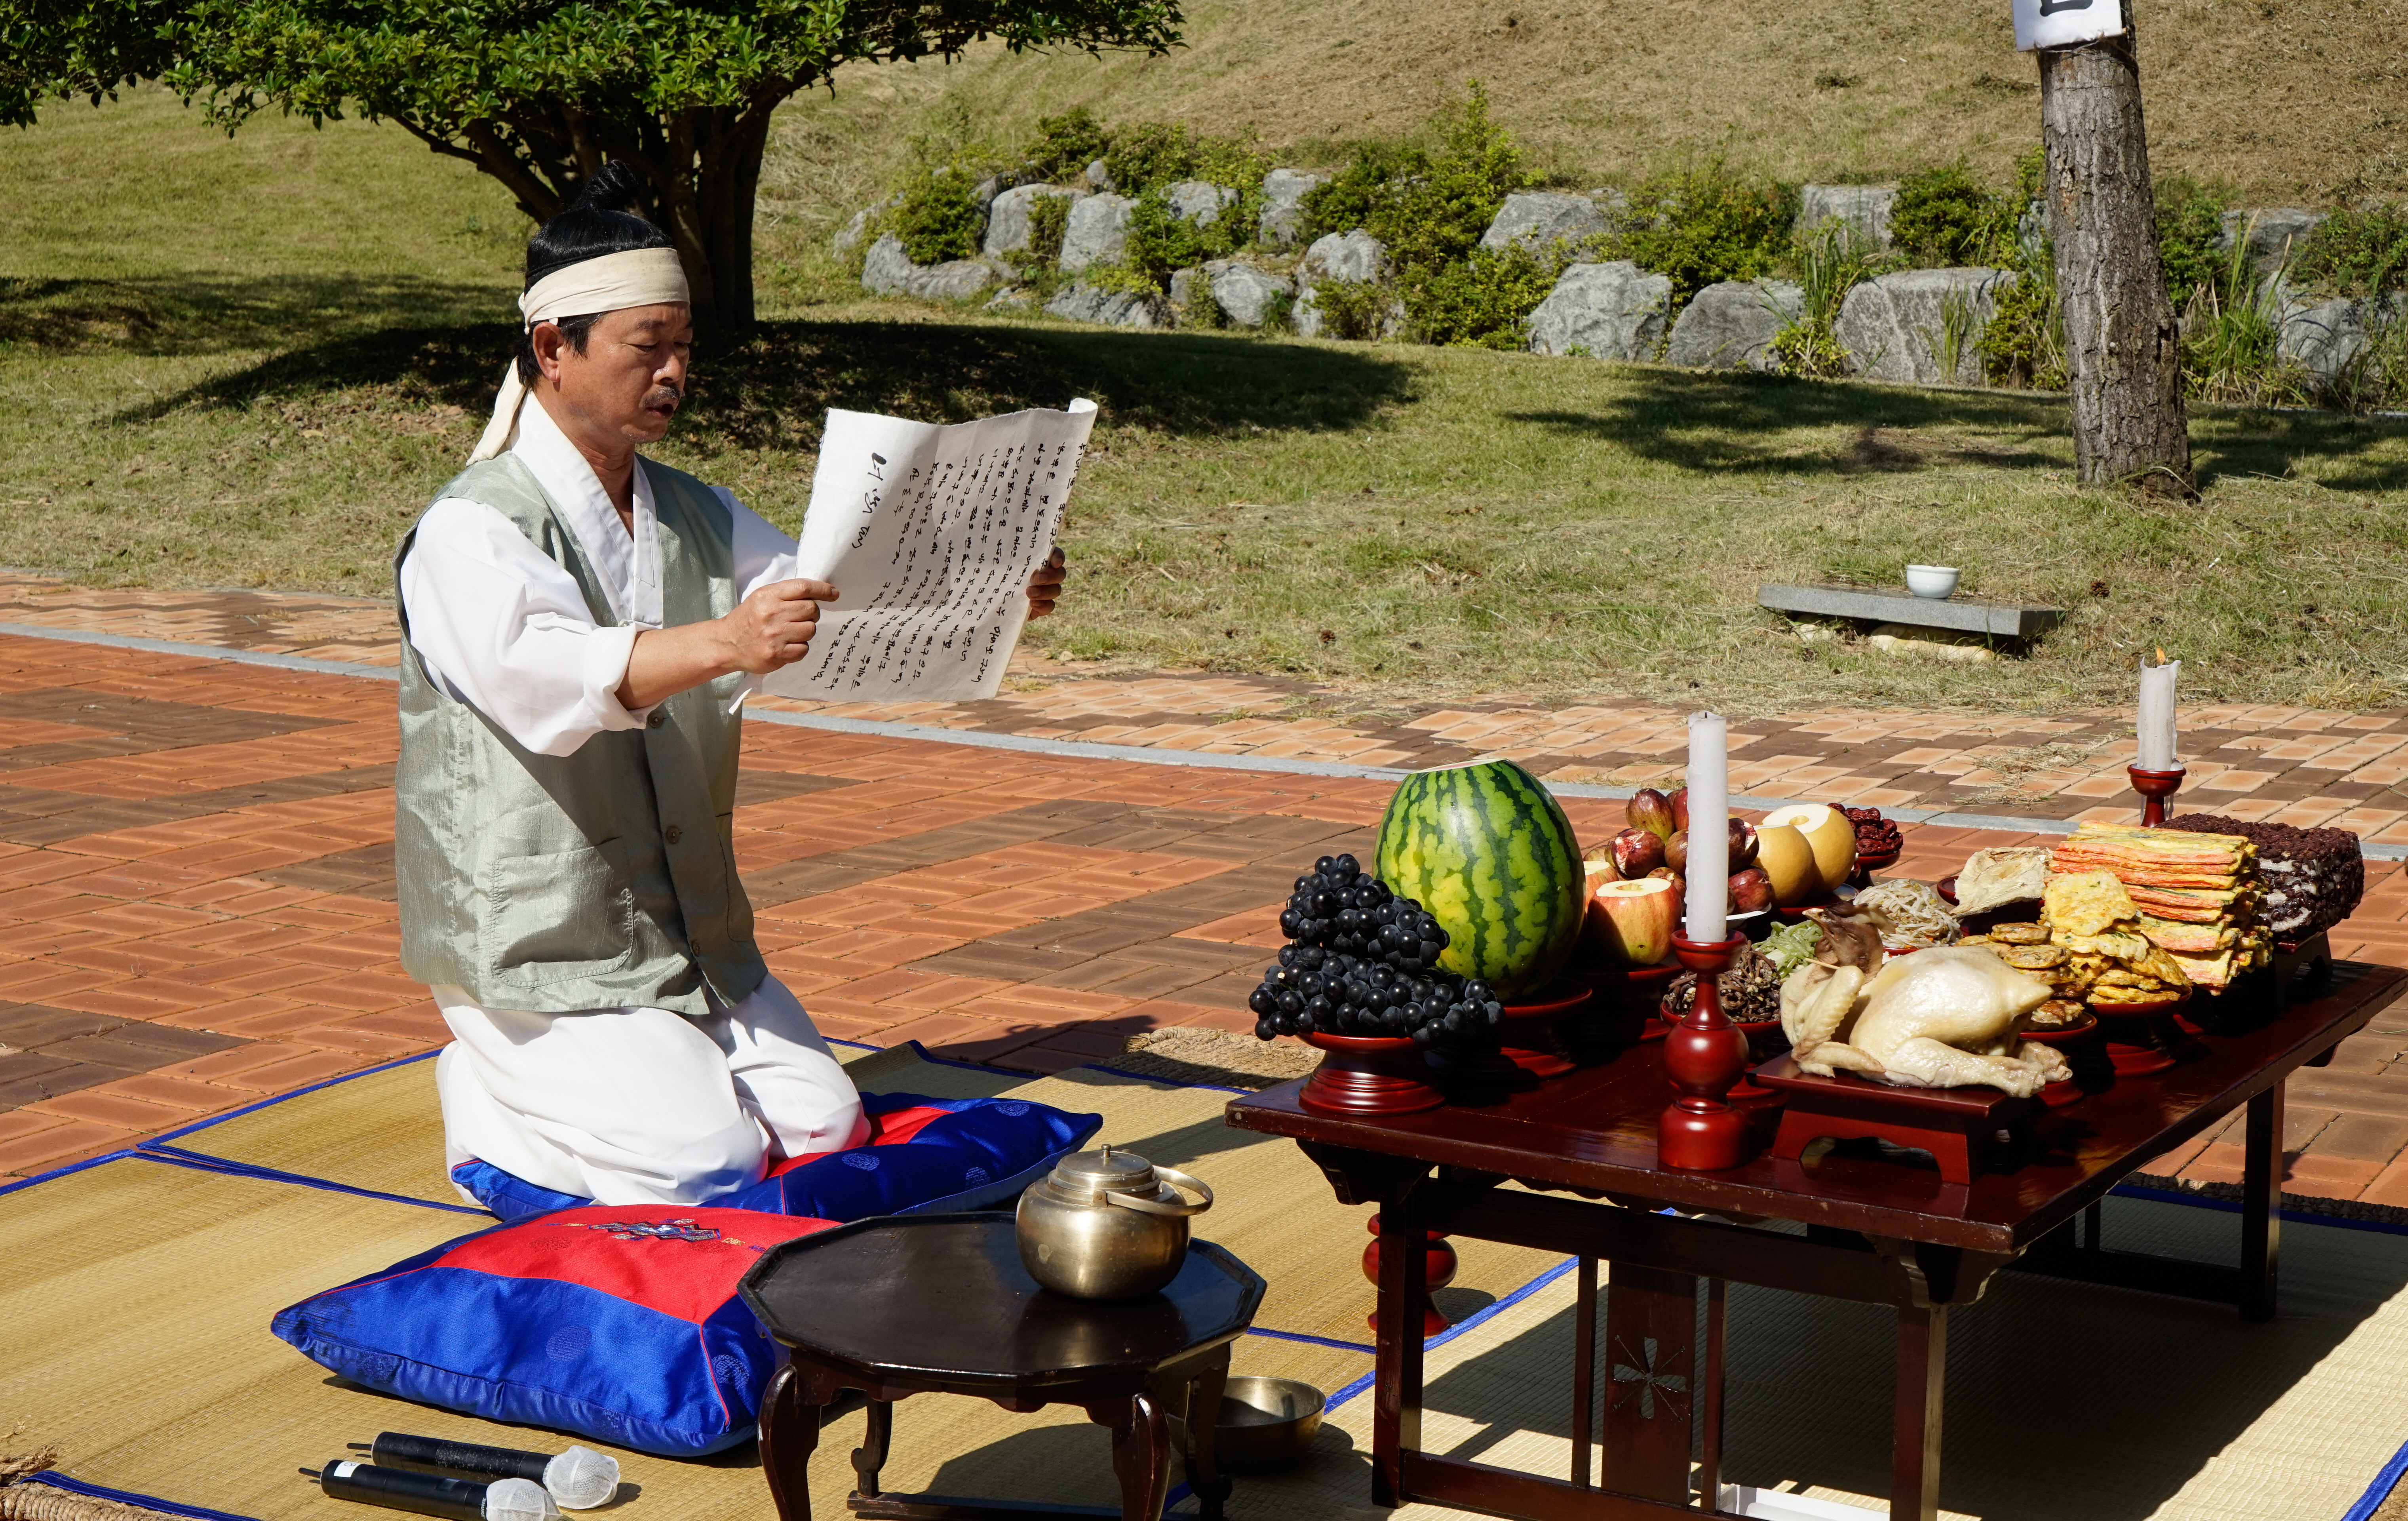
[(596, 223)]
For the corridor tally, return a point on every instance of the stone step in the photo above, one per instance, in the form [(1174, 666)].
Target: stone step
[(1966, 615)]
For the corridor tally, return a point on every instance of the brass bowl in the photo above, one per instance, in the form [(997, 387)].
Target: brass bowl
[(1267, 1424)]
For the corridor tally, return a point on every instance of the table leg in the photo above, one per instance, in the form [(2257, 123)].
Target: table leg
[(1397, 1393), (1710, 1403), (790, 1434), (1650, 1330), (1583, 1369), (1140, 1456), (870, 1455), (1914, 1433), (1204, 1475), (2261, 1198)]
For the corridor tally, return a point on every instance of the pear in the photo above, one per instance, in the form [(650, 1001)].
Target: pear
[(1827, 831)]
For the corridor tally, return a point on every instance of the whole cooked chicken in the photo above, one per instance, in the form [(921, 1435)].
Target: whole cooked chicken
[(1940, 1018)]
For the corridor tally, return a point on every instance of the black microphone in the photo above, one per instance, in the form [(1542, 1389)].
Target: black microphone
[(578, 1478), (431, 1493)]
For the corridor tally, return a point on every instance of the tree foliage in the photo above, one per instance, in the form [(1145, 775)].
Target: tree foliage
[(539, 93)]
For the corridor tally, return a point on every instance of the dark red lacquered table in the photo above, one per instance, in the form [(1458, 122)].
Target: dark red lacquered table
[(1878, 1231)]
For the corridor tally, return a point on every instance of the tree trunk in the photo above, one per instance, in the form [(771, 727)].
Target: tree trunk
[(2123, 349), (730, 182)]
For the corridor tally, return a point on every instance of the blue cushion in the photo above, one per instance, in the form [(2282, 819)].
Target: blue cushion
[(923, 1156), (620, 1323)]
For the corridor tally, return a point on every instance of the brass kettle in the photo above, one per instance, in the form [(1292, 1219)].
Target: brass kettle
[(1106, 1224)]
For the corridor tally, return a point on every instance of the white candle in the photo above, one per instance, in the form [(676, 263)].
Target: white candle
[(2157, 719), (1709, 828)]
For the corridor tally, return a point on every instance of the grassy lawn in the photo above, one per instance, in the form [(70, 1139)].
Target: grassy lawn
[(252, 363)]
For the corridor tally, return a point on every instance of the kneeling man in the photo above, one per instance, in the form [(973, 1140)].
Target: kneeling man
[(577, 623)]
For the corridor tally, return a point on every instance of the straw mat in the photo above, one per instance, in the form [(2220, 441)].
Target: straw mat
[(2065, 1402), (133, 1337)]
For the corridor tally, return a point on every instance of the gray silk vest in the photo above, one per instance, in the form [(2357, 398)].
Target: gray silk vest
[(596, 879)]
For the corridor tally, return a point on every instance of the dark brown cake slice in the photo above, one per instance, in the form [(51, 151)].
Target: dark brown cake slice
[(2314, 877)]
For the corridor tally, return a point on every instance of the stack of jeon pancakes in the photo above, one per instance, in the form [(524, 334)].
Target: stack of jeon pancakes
[(2200, 896)]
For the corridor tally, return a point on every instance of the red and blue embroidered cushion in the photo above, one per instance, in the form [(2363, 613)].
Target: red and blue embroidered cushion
[(923, 1156), (620, 1323)]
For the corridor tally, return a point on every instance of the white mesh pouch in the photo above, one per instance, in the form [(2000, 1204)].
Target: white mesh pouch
[(519, 1499), (580, 1478)]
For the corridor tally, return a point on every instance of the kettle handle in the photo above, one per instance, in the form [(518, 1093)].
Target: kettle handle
[(1156, 1206)]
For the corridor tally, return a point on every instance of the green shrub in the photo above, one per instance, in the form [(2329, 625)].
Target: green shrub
[(1945, 216), (2230, 331), (1830, 260), (1068, 143), (2358, 253), (2024, 342), (2377, 375), (1160, 240), (1485, 301), (1352, 309), (1151, 154), (1049, 219), (939, 219), (2190, 224), (1430, 205), (1707, 223)]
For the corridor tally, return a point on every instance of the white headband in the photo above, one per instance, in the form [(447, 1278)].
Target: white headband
[(614, 283)]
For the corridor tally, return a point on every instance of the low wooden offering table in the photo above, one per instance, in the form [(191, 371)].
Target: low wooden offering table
[(1878, 1231), (924, 1304)]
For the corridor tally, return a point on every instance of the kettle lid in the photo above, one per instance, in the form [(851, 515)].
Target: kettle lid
[(1104, 1171)]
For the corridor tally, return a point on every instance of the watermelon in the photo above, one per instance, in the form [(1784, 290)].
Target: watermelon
[(1488, 851)]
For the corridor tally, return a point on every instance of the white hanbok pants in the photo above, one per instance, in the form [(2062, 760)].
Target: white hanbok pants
[(641, 1106)]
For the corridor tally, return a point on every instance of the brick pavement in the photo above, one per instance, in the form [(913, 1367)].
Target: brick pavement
[(2300, 766), (197, 902)]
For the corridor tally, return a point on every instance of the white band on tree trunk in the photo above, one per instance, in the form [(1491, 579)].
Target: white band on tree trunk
[(614, 283)]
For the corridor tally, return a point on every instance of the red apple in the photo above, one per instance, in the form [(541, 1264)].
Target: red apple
[(1679, 803), (1636, 852), (1742, 845), (1648, 809), (1632, 922), (1750, 890)]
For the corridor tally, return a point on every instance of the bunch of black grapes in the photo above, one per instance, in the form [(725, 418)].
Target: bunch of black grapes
[(1360, 960)]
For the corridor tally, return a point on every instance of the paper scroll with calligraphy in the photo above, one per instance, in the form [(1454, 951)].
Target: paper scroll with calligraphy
[(929, 534)]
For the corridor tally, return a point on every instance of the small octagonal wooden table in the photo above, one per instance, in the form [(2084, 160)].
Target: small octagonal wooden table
[(939, 1304), (1876, 1232)]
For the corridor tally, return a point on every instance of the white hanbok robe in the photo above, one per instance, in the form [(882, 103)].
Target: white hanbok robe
[(624, 1105)]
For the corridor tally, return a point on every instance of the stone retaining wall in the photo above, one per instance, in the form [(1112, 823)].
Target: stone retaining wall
[(1920, 327)]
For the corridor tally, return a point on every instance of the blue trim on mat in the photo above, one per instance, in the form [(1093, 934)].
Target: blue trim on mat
[(2227, 1206), (203, 1162), (267, 1103), (1470, 1322), (1363, 1347), (62, 1172), (127, 1496), (2380, 1490)]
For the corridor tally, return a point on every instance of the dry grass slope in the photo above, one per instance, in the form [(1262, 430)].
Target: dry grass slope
[(2288, 100)]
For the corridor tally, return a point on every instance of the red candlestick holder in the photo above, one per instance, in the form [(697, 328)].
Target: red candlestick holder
[(1704, 1055), (2155, 787)]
